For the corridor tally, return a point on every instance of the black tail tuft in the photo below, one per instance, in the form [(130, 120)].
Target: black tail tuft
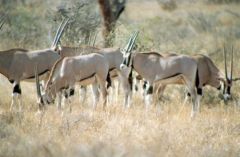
[(197, 81)]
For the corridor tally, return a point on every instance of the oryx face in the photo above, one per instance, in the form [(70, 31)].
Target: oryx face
[(227, 90), (49, 94), (127, 63), (228, 78)]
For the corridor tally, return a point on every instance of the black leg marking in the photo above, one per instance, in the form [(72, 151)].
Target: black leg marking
[(144, 85), (130, 80), (109, 81), (136, 88), (189, 94), (199, 91), (17, 89), (150, 90), (72, 91)]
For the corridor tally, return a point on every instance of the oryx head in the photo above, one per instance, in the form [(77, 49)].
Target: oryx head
[(48, 94), (56, 46), (127, 53), (228, 79)]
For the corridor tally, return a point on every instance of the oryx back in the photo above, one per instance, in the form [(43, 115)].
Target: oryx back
[(23, 64), (155, 67), (75, 51)]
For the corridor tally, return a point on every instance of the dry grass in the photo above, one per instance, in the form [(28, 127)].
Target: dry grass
[(165, 131)]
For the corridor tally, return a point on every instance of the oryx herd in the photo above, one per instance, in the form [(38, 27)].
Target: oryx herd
[(61, 68)]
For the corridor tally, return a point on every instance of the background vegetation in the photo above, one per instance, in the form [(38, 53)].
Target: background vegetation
[(183, 26)]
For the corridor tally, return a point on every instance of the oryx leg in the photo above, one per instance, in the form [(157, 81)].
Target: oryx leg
[(193, 93), (148, 95), (95, 94), (59, 100), (82, 94), (127, 94), (67, 97), (159, 91), (199, 96), (16, 96), (103, 92)]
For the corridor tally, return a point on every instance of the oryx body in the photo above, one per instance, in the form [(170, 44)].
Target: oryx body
[(19, 64), (85, 70), (208, 74), (155, 68)]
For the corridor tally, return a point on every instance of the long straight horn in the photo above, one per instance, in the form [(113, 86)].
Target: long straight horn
[(231, 64), (37, 83), (2, 21), (126, 48), (61, 32), (133, 40), (225, 63), (56, 35)]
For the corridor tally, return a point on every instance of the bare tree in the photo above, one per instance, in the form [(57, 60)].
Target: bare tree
[(110, 10)]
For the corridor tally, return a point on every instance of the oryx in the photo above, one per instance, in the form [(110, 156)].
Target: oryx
[(19, 65), (210, 75), (167, 70), (85, 69)]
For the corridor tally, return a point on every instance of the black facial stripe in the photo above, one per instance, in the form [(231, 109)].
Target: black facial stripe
[(228, 90)]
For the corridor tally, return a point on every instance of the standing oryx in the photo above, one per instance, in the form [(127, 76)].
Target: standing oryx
[(167, 70), (18, 65), (85, 69)]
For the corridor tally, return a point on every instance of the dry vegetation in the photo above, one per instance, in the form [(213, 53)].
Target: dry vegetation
[(166, 130)]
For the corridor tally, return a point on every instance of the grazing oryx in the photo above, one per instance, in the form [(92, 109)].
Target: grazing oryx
[(19, 65), (85, 69), (210, 75), (167, 70)]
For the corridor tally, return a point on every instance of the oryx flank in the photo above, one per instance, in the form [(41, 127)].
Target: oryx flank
[(155, 68), (18, 64), (84, 69)]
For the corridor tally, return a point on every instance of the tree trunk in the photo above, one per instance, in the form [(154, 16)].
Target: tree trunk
[(110, 13)]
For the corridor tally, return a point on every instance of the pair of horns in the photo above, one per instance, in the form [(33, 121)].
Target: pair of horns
[(60, 32), (131, 42), (229, 78)]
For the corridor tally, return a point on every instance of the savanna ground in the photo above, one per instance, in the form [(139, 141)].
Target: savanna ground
[(186, 27)]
